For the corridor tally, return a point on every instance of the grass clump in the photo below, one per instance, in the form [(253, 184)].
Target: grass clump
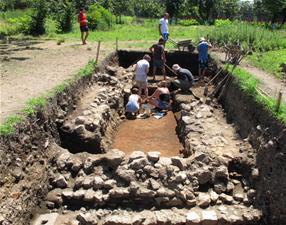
[(34, 104), (88, 70), (9, 126), (249, 85)]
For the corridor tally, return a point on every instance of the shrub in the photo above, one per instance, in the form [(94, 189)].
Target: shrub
[(62, 12), (99, 18), (189, 22), (222, 22), (22, 24), (37, 24)]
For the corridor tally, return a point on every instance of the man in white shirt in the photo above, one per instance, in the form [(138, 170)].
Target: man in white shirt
[(163, 27), (141, 71)]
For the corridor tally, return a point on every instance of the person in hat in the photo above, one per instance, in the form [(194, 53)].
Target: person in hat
[(203, 47), (141, 71), (82, 19), (184, 79), (159, 57)]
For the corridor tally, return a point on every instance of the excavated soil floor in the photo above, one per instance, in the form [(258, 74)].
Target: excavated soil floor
[(149, 134)]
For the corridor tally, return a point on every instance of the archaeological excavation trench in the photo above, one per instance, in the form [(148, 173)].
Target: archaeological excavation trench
[(206, 162)]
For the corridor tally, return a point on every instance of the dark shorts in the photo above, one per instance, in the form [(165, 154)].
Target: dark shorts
[(203, 64), (158, 63), (84, 28)]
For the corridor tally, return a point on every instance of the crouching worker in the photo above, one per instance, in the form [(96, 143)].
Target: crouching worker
[(184, 80), (133, 105), (161, 98)]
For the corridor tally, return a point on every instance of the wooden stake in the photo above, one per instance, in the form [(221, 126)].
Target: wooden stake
[(97, 53), (116, 43), (278, 101)]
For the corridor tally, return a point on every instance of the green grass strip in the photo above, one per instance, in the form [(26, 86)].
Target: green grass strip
[(9, 126), (249, 85), (34, 104)]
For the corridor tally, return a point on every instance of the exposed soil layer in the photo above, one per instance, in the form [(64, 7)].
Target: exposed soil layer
[(149, 134), (218, 181)]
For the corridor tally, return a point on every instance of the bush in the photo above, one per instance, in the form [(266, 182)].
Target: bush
[(189, 22), (222, 22), (62, 12), (37, 24), (99, 18), (21, 24)]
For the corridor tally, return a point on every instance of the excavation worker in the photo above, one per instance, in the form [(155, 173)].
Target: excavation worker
[(134, 102), (184, 79), (203, 47), (159, 57), (141, 71), (161, 97), (163, 27), (82, 19)]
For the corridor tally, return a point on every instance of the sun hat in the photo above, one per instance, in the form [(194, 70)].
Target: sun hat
[(176, 67), (202, 39)]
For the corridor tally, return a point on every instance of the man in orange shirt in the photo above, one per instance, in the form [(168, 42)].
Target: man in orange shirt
[(82, 19)]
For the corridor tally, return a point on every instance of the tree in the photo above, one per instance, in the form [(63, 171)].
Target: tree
[(227, 8), (122, 7), (173, 7), (207, 10), (246, 10), (276, 8)]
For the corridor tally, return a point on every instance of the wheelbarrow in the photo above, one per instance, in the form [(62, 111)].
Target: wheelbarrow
[(182, 45)]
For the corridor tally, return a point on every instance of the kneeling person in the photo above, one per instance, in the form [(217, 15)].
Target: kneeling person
[(161, 97), (134, 102), (185, 79)]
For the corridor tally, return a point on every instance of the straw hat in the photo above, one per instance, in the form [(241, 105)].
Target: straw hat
[(202, 39), (176, 67)]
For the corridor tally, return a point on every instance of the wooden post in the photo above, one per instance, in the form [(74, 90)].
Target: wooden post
[(97, 53), (116, 43), (278, 103)]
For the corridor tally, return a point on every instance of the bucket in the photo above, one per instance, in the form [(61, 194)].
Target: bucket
[(147, 109)]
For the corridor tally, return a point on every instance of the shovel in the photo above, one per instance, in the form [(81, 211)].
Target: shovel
[(206, 90)]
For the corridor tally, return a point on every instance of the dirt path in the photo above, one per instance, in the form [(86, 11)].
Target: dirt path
[(268, 83), (31, 68)]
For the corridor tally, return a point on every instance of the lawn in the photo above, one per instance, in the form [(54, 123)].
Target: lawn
[(270, 61)]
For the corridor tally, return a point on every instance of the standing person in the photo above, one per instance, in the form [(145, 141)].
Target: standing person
[(159, 57), (184, 80), (82, 19), (203, 56), (134, 102), (163, 27), (141, 71), (161, 97)]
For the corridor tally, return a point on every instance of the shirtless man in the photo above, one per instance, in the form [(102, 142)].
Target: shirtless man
[(161, 97)]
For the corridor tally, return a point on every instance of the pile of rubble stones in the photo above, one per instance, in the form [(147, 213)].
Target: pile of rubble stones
[(141, 182)]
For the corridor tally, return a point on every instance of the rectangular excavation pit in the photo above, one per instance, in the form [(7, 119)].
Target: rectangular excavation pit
[(263, 180), (218, 157)]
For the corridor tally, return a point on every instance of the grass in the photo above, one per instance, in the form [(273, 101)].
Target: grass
[(131, 32), (34, 104), (249, 85), (269, 61), (9, 126), (251, 37)]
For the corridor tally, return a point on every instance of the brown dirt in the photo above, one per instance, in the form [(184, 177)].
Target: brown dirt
[(31, 68), (149, 134), (268, 83)]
